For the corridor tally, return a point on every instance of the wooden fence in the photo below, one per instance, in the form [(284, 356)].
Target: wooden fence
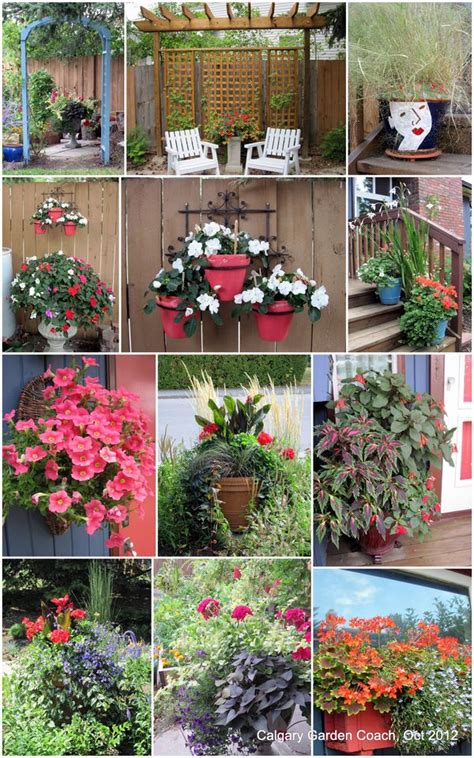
[(97, 243), (309, 221), (327, 106), (82, 75)]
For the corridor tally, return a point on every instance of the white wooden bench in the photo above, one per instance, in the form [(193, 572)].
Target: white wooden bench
[(278, 154), (188, 154)]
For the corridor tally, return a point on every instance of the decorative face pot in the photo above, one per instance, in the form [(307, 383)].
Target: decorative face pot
[(413, 127)]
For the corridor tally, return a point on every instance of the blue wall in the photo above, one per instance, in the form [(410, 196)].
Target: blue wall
[(25, 533)]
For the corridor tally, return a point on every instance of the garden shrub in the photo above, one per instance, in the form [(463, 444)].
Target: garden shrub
[(137, 146), (230, 370), (333, 144)]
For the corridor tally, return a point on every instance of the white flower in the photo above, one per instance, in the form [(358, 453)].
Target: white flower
[(156, 284), (22, 285), (284, 288), (32, 291), (298, 287), (277, 269), (226, 231), (255, 295), (178, 265), (188, 312), (211, 229), (32, 258), (13, 299), (112, 298), (83, 221), (33, 314), (195, 249), (429, 206), (70, 271), (212, 246), (393, 191), (208, 302), (37, 281), (189, 237), (197, 229), (370, 215), (238, 298), (320, 298), (254, 247), (60, 252)]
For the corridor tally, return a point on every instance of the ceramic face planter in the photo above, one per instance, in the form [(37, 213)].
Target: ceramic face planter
[(413, 127)]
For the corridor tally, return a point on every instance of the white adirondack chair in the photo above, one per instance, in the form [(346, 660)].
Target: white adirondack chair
[(189, 154), (278, 154)]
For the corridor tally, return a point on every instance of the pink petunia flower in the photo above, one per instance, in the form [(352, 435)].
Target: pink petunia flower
[(33, 454), (59, 502), (115, 540), (51, 470)]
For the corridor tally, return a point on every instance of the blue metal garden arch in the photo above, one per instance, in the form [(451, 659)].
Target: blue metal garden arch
[(104, 34)]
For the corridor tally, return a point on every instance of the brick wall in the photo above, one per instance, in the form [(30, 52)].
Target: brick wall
[(448, 191)]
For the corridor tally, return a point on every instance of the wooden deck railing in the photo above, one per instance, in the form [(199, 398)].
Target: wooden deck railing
[(445, 251)]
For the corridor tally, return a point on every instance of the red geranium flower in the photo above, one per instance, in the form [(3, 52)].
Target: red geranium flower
[(59, 636), (208, 431), (264, 438)]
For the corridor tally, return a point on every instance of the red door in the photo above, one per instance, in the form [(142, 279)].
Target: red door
[(136, 373)]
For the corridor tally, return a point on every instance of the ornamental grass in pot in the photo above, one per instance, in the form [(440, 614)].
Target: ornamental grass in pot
[(274, 300), (413, 58), (64, 292)]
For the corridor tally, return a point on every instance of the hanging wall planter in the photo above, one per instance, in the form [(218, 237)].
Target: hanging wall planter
[(274, 325), (69, 229), (226, 274), (40, 228), (363, 733), (168, 306), (235, 494), (55, 214), (413, 127)]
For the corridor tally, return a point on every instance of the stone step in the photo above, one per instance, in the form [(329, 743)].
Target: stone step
[(366, 316)]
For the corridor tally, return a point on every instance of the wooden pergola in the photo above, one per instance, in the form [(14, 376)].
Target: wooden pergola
[(169, 22)]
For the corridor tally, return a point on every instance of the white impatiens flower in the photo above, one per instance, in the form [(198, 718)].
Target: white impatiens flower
[(238, 298), (284, 288), (83, 221), (208, 302), (226, 231), (298, 287), (32, 291), (112, 298), (188, 312), (60, 252), (178, 265), (33, 314), (195, 249), (22, 285), (211, 229), (212, 246), (254, 295), (156, 284), (277, 270), (320, 298), (71, 271), (254, 247)]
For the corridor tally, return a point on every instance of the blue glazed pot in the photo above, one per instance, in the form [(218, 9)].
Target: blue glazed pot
[(390, 295), (396, 139), (13, 153), (440, 332)]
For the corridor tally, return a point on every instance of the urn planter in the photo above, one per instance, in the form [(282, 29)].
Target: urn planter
[(39, 228), (372, 543), (55, 214), (168, 306), (413, 127), (227, 273), (235, 494), (56, 340), (440, 332), (69, 229), (234, 147), (390, 295), (274, 325), (364, 732), (75, 128)]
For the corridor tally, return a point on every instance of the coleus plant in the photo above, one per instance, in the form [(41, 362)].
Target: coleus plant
[(87, 459), (55, 622), (235, 417), (358, 484), (416, 419), (298, 290), (62, 291)]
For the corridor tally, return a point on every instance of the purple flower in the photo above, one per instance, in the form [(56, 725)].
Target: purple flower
[(48, 313)]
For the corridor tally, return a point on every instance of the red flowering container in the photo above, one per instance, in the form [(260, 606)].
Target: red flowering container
[(39, 228), (55, 214), (274, 325), (361, 733), (228, 273), (372, 543), (169, 310), (69, 229)]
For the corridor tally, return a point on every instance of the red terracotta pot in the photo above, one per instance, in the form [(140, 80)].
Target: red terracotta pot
[(274, 325), (39, 229), (55, 213), (373, 544), (169, 311), (228, 273), (69, 229), (360, 734)]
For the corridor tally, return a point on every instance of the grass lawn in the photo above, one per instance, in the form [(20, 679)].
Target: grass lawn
[(105, 170)]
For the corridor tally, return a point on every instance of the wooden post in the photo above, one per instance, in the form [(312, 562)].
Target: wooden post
[(157, 88), (306, 93)]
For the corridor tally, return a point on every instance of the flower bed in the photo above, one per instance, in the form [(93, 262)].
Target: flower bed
[(86, 460), (78, 688), (240, 650)]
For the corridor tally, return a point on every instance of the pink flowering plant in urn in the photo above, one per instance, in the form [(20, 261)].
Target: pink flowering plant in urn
[(86, 460)]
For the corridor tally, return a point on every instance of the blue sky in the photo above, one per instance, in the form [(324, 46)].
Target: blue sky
[(352, 593)]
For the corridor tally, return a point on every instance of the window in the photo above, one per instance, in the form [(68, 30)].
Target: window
[(345, 366), (372, 189)]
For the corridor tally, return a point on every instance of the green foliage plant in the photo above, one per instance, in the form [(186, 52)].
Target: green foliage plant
[(138, 146), (235, 416), (333, 144), (380, 270), (430, 303)]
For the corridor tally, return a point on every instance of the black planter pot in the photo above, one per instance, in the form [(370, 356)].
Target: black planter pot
[(420, 131)]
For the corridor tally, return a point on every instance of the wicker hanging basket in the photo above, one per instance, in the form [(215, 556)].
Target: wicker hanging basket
[(31, 405)]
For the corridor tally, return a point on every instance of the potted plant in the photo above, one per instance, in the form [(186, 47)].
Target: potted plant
[(41, 220), (391, 59), (69, 110), (85, 460), (55, 208), (428, 311), (182, 294), (64, 292), (12, 135), (70, 221), (276, 298), (231, 129), (383, 272), (56, 621)]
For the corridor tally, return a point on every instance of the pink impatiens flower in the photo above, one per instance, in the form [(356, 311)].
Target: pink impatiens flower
[(59, 502)]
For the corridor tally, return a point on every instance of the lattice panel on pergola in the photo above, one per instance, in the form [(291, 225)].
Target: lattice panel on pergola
[(178, 77), (283, 87), (231, 80)]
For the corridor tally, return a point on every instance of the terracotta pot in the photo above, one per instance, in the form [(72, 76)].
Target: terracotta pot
[(364, 732), (235, 494), (69, 229), (39, 228), (373, 544), (169, 311), (55, 213), (274, 325), (228, 273)]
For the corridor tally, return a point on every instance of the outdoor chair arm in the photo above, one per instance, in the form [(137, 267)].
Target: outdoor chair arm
[(251, 145), (212, 145), (170, 150), (293, 149)]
